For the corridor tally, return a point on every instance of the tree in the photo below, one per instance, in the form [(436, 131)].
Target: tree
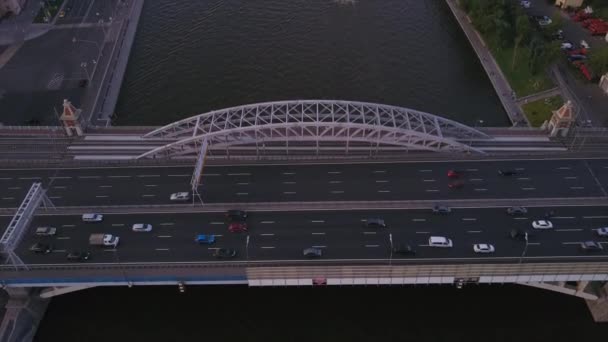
[(598, 60), (522, 29)]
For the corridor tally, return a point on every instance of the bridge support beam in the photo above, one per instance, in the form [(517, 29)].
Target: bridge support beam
[(562, 287), (51, 292), (24, 311), (599, 307)]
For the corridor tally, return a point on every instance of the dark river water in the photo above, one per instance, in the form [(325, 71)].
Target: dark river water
[(210, 54), (484, 313)]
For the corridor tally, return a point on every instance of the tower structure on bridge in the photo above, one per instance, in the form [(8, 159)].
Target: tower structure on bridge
[(71, 119), (562, 120)]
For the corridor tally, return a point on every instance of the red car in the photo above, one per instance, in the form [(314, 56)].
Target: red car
[(453, 174), (237, 227), (456, 185)]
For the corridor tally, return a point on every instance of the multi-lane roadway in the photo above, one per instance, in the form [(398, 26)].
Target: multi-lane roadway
[(563, 178), (340, 234)]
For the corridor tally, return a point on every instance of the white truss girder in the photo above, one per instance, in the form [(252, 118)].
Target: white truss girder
[(314, 121)]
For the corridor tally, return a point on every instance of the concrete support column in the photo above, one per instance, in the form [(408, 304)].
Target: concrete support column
[(599, 307), (581, 285), (24, 311)]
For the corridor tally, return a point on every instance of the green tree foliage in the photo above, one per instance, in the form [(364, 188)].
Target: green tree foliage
[(523, 30), (598, 60)]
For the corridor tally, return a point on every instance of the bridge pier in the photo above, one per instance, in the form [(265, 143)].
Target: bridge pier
[(24, 311), (599, 307)]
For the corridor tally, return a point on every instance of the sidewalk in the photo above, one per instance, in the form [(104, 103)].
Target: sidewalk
[(501, 85), (539, 96)]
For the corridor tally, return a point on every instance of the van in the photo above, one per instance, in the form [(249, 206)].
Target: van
[(440, 241), (92, 217)]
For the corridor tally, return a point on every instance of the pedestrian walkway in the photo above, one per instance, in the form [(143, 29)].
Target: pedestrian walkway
[(501, 85), (539, 96)]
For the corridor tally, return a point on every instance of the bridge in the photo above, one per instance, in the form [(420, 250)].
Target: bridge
[(296, 205)]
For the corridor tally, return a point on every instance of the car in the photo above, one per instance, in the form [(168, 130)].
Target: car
[(46, 231), (78, 256), (542, 224), (92, 217), (513, 211), (525, 4), (567, 46), (544, 21), (142, 227), (440, 241), (237, 227), (507, 172), (224, 253), (484, 248), (519, 234), (180, 196), (591, 246), (453, 174), (404, 249), (441, 209), (205, 239), (312, 252), (41, 248), (61, 14), (602, 231), (585, 45), (558, 35), (236, 215), (375, 222), (456, 185)]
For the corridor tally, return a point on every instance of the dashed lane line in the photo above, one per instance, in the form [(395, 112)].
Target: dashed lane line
[(379, 171), (242, 193), (570, 177), (469, 219), (104, 196), (334, 172), (267, 222), (147, 176), (523, 178), (423, 232), (150, 185), (54, 197), (382, 181), (8, 198), (419, 220), (14, 188), (68, 225), (289, 183), (595, 217), (89, 177), (577, 187), (319, 246), (59, 251), (335, 182), (569, 230), (267, 247), (425, 170), (372, 246), (337, 192), (216, 222), (267, 234), (383, 191), (164, 236), (240, 174), (289, 173), (428, 180), (118, 224), (432, 190), (370, 233), (318, 233), (563, 217), (476, 179), (317, 221), (149, 195), (167, 224), (63, 238), (161, 249), (289, 192), (481, 189), (29, 178), (184, 175), (105, 186), (528, 189), (474, 231), (119, 176)]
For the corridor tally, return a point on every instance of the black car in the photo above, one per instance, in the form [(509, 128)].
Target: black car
[(517, 211), (236, 215), (312, 252), (404, 249), (507, 172), (375, 223), (518, 234), (441, 209), (79, 256), (41, 248), (224, 253)]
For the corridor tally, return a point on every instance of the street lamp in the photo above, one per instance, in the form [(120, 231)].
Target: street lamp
[(247, 248), (525, 248), (83, 65), (390, 239)]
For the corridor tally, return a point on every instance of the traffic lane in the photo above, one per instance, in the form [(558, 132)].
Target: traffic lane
[(599, 170)]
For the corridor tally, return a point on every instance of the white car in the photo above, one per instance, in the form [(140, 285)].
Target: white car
[(602, 231), (542, 224), (483, 248), (585, 45), (525, 4), (180, 196), (142, 227), (92, 217), (440, 241), (46, 231), (567, 46)]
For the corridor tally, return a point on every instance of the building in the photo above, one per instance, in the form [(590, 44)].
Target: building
[(569, 3), (11, 7)]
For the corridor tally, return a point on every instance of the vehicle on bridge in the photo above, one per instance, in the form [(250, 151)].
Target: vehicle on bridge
[(205, 239), (224, 253), (602, 231), (484, 248), (46, 231), (507, 172), (513, 211), (99, 239), (454, 174), (404, 249), (374, 222), (236, 215), (542, 224), (41, 248), (92, 217), (180, 196), (78, 256), (142, 227), (237, 227), (440, 241), (441, 209), (312, 252), (456, 185), (591, 246)]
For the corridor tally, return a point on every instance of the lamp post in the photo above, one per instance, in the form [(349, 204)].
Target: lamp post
[(390, 239), (83, 65), (247, 248), (477, 122), (525, 248)]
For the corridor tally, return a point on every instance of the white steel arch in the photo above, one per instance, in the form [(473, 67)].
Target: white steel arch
[(314, 121)]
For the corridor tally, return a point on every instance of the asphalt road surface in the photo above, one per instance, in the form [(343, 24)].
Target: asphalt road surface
[(340, 234), (321, 182)]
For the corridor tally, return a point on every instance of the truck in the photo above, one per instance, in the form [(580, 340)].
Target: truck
[(103, 240)]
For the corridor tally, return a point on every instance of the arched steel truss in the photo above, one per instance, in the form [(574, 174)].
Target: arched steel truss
[(315, 121)]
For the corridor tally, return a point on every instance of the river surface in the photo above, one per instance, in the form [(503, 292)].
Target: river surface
[(484, 313), (212, 54)]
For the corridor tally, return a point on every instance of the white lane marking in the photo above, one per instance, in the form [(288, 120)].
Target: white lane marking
[(472, 170), (576, 187), (519, 168), (289, 173), (334, 172), (55, 197), (148, 195), (267, 247), (563, 217), (89, 177), (30, 178), (523, 178), (425, 170), (571, 243), (423, 232), (218, 235), (428, 180), (216, 222), (117, 224), (212, 248), (289, 192), (318, 221), (150, 185), (381, 181), (371, 246), (370, 233), (119, 176), (319, 246), (528, 189), (5, 178), (60, 177), (425, 245), (570, 177), (337, 192), (335, 182), (14, 188), (469, 219), (240, 174), (289, 182), (419, 220), (267, 222), (533, 243), (432, 190), (161, 249), (242, 183), (210, 174), (242, 193), (481, 189), (267, 234), (383, 191), (595, 217), (101, 196), (380, 171), (569, 230), (476, 179), (520, 218), (147, 176), (318, 233), (167, 224), (8, 198), (63, 238), (59, 187), (564, 168), (68, 225), (59, 251), (110, 250), (164, 236), (474, 231), (105, 186), (184, 175)]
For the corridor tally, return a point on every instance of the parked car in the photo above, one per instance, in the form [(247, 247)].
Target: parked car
[(224, 253), (41, 248), (542, 224), (404, 249), (236, 215), (312, 252), (180, 196), (78, 256), (237, 227), (525, 4), (441, 209), (483, 248), (92, 217), (205, 239), (513, 211), (374, 222), (440, 241), (46, 231), (567, 46), (142, 227), (602, 231), (591, 246)]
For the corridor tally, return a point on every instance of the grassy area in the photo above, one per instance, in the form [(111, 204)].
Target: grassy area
[(539, 111), (520, 77), (49, 11)]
